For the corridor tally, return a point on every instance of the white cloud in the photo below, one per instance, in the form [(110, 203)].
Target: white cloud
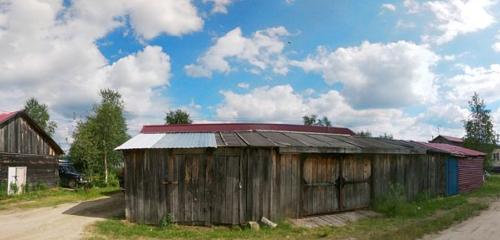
[(262, 51), (49, 52), (371, 73), (412, 6), (282, 104), (219, 6), (387, 7), (148, 18), (459, 17), (483, 80)]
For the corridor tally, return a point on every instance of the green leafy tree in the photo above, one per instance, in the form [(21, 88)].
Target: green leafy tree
[(40, 114), (479, 126), (313, 120), (479, 133), (178, 117), (96, 138)]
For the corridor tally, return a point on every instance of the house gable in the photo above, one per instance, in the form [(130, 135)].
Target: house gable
[(20, 134)]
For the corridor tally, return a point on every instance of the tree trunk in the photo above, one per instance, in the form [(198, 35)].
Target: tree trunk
[(105, 167)]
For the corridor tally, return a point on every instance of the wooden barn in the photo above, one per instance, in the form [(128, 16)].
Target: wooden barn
[(28, 155), (234, 173)]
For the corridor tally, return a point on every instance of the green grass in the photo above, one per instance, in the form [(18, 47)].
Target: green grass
[(409, 220), (52, 197)]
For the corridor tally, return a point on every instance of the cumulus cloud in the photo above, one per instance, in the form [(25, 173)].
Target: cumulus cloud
[(483, 80), (262, 51), (49, 52), (219, 6), (459, 17), (282, 103), (371, 73), (148, 18)]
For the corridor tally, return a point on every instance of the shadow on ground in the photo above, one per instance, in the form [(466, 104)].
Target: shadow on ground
[(110, 207)]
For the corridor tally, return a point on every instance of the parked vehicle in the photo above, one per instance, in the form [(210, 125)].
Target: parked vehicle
[(69, 176)]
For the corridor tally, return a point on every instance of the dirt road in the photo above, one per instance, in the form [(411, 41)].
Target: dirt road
[(483, 227), (66, 221)]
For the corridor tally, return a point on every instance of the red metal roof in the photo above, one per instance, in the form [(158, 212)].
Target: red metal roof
[(230, 127), (454, 150), (6, 116)]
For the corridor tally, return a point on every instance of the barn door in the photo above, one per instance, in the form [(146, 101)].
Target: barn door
[(354, 183), (227, 186), (186, 188), (319, 191), (334, 183)]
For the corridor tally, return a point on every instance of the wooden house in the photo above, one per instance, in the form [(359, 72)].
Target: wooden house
[(233, 173), (28, 155), (448, 140)]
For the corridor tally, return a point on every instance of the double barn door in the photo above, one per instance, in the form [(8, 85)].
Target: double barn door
[(211, 190), (334, 183)]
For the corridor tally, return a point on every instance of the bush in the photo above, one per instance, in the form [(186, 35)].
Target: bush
[(166, 221)]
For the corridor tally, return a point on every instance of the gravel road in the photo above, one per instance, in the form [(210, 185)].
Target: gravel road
[(483, 227), (65, 221)]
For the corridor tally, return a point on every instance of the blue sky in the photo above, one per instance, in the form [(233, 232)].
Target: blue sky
[(400, 67)]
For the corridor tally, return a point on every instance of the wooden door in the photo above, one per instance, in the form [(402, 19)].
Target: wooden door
[(355, 185), (319, 191), (17, 178), (187, 191), (451, 177), (226, 189)]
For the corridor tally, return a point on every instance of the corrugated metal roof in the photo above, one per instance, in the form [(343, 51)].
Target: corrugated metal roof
[(141, 141), (291, 142), (170, 140), (231, 127), (187, 140), (454, 150)]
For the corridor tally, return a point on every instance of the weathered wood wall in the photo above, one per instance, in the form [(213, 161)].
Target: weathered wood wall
[(21, 145), (40, 169), (416, 174), (236, 185)]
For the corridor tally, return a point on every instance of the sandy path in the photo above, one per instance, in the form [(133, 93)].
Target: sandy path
[(65, 221), (485, 226)]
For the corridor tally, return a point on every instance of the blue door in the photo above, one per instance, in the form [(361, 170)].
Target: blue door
[(451, 177)]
